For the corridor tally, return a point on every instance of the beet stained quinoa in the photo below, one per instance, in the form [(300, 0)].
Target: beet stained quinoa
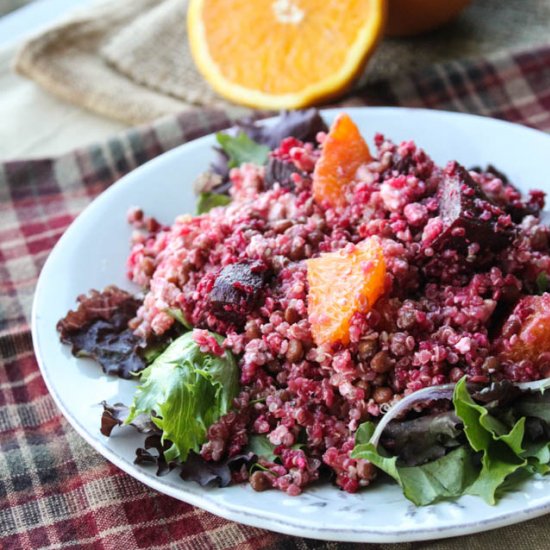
[(462, 250)]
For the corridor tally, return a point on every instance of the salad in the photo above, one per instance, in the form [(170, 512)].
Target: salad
[(334, 312)]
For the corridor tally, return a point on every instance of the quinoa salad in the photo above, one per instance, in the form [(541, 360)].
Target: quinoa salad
[(334, 313)]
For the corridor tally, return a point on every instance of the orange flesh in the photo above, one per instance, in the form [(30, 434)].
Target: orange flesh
[(534, 335), (340, 284), (281, 46), (344, 151)]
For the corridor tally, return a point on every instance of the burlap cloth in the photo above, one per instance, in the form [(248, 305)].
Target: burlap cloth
[(129, 60)]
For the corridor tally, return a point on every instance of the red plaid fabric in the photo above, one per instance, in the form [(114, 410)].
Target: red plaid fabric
[(57, 492)]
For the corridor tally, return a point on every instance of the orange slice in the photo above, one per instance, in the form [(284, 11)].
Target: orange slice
[(278, 54), (344, 150), (340, 284)]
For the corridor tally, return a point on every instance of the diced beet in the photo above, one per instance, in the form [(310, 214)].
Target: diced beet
[(280, 171), (509, 197), (468, 216), (237, 289)]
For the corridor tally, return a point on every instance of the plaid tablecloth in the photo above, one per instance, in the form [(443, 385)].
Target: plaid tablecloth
[(55, 490)]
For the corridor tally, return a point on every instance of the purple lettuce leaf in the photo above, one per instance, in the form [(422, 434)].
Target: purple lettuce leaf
[(204, 472), (115, 415), (145, 456), (303, 125), (98, 329), (423, 439)]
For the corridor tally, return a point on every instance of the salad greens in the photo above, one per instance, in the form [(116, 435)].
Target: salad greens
[(185, 391), (241, 149), (178, 315), (500, 445), (206, 201), (542, 282), (261, 446), (494, 448)]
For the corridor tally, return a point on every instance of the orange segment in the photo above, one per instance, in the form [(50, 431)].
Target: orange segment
[(533, 333), (340, 284), (282, 53), (344, 150)]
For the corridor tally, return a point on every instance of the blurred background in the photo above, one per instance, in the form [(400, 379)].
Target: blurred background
[(76, 71)]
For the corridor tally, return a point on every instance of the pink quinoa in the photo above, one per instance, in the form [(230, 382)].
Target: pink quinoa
[(439, 319)]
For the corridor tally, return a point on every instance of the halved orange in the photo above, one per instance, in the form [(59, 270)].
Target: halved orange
[(277, 54), (344, 151), (340, 284)]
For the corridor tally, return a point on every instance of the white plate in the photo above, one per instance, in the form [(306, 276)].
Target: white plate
[(92, 254)]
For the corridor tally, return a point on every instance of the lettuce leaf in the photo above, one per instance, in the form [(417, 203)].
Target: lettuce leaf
[(98, 329), (507, 440), (179, 316), (423, 439), (261, 446), (535, 405), (209, 200), (442, 479), (500, 445), (241, 149), (185, 391)]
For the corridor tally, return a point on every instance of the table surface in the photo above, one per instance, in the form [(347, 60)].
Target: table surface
[(35, 123)]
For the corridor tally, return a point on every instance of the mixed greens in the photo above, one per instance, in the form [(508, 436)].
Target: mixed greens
[(489, 440), (185, 391)]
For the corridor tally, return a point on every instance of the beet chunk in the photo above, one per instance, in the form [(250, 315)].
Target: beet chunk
[(237, 290), (509, 197), (468, 216)]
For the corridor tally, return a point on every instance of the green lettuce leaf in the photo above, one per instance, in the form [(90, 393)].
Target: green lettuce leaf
[(261, 446), (185, 391), (178, 315), (442, 479), (501, 446), (241, 149), (534, 404), (207, 201), (505, 444), (364, 432), (542, 282)]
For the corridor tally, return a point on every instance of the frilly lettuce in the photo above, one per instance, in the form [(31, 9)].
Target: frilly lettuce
[(185, 391), (501, 442)]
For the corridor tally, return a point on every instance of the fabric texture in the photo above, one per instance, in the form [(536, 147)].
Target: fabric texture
[(55, 490), (129, 60), (36, 123)]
